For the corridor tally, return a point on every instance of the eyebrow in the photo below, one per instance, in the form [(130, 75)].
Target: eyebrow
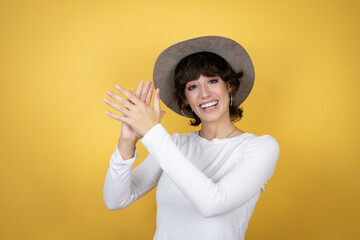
[(190, 82)]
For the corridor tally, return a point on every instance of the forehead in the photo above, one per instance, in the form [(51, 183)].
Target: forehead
[(203, 78)]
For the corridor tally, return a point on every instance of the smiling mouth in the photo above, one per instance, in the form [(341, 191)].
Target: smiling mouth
[(209, 105)]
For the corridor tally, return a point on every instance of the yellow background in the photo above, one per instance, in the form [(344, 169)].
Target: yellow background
[(58, 58)]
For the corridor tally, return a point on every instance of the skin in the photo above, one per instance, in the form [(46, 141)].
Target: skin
[(129, 136), (215, 121), (138, 117)]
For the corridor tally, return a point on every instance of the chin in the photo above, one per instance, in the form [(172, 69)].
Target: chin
[(210, 117)]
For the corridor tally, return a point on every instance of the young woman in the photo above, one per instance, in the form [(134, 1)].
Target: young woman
[(208, 181)]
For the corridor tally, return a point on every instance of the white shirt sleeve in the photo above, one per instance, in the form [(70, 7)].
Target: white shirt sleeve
[(123, 185), (236, 188)]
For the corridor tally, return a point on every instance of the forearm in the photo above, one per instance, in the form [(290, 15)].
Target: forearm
[(123, 185), (126, 148), (197, 187), (213, 198), (117, 187)]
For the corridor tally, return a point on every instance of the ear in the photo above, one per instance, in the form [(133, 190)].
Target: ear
[(229, 88), (186, 101)]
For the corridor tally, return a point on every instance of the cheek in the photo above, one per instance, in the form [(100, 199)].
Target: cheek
[(187, 94), (189, 98), (221, 91)]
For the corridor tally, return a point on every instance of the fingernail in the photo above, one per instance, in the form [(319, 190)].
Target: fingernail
[(106, 100), (117, 87), (108, 92)]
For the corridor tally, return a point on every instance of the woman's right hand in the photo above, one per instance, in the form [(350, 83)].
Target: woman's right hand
[(144, 93)]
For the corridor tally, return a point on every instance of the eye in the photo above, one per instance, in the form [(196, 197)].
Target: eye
[(213, 80), (191, 87)]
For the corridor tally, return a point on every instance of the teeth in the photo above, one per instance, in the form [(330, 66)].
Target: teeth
[(209, 104)]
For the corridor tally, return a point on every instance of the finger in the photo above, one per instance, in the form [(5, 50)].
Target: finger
[(138, 90), (112, 104), (117, 117), (129, 96), (117, 107), (157, 101), (120, 100), (113, 115), (132, 92), (162, 114), (149, 94), (145, 90)]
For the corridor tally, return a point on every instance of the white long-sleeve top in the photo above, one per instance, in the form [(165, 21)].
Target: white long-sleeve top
[(206, 189)]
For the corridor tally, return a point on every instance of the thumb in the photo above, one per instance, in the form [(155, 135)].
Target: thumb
[(157, 101), (162, 114)]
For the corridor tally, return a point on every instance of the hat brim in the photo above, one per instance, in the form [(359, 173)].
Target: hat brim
[(228, 49)]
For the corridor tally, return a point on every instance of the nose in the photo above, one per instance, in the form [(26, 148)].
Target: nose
[(204, 90)]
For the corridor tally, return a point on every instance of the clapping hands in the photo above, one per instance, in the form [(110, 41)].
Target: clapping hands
[(137, 116)]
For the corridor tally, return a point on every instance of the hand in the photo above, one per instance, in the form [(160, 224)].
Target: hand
[(144, 93), (137, 114)]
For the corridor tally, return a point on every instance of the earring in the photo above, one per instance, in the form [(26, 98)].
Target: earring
[(230, 99), (182, 112)]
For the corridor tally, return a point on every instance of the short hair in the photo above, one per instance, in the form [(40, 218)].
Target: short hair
[(210, 65)]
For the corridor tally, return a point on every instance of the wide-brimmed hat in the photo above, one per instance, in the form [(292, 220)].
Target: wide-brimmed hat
[(228, 49)]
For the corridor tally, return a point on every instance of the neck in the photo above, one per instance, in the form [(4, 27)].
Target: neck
[(213, 130)]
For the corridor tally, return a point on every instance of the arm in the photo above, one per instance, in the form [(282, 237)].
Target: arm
[(128, 136), (232, 191), (210, 198), (123, 186)]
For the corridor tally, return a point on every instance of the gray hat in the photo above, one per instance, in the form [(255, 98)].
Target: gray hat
[(228, 49)]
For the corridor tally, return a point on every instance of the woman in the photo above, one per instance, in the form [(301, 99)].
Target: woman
[(209, 181)]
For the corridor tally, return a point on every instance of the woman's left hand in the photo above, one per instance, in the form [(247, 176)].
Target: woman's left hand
[(138, 115)]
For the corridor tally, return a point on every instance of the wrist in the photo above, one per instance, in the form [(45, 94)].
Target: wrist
[(150, 129), (127, 142), (145, 130), (126, 148)]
